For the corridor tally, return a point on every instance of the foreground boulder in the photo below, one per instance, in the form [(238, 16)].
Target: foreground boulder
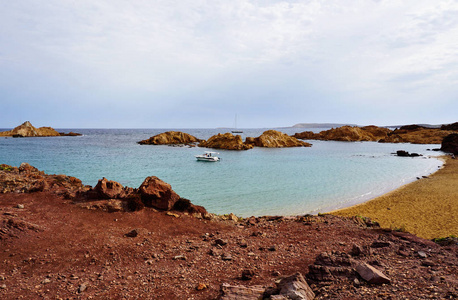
[(170, 138), (226, 141), (450, 144), (27, 130), (158, 194), (276, 139)]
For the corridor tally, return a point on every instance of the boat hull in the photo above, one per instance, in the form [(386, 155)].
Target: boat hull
[(210, 159)]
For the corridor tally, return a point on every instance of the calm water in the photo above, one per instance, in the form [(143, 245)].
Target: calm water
[(260, 181)]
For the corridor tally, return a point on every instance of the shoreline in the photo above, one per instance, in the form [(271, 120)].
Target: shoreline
[(385, 190), (425, 207)]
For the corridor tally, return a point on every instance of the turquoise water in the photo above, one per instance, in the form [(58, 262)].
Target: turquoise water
[(260, 181)]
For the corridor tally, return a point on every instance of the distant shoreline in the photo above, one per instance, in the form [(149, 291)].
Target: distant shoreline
[(426, 207)]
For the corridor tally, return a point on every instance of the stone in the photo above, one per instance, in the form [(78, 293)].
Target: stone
[(20, 206), (422, 254), (158, 194), (132, 233), (295, 287), (83, 287), (226, 256), (221, 242), (380, 244), (237, 292), (247, 274), (371, 274), (108, 189), (201, 286)]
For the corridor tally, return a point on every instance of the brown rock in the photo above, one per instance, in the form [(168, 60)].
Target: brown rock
[(226, 141), (170, 138), (158, 194), (347, 134), (276, 139), (108, 189), (371, 274), (27, 130)]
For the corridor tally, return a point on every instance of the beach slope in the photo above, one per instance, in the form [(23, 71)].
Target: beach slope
[(427, 207)]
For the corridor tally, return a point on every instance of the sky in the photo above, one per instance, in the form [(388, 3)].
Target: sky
[(198, 64)]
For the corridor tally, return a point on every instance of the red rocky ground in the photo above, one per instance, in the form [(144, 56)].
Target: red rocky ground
[(51, 248)]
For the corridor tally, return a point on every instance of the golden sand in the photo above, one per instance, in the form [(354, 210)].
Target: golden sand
[(427, 207)]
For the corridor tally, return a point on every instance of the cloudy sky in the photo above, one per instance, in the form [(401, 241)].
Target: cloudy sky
[(196, 64)]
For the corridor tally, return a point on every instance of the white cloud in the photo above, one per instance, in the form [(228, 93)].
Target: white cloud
[(347, 52)]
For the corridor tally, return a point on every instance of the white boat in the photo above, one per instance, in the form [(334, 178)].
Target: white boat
[(208, 156)]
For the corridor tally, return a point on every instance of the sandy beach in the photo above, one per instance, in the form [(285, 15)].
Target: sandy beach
[(427, 207)]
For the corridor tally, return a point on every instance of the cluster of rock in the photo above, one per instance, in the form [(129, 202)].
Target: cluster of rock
[(228, 141), (28, 130), (106, 195), (28, 179), (414, 134), (170, 138)]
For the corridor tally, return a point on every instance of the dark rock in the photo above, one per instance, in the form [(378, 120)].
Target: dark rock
[(450, 143), (185, 205), (380, 244), (247, 274), (371, 274), (404, 153), (452, 127), (132, 233), (221, 242)]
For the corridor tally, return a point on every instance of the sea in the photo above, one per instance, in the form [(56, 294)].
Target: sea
[(261, 181)]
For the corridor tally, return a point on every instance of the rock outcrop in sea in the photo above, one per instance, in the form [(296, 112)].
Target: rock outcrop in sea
[(275, 139), (414, 134), (170, 138), (269, 139), (226, 141), (28, 130), (347, 134)]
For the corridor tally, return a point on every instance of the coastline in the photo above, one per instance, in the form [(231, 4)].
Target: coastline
[(426, 207)]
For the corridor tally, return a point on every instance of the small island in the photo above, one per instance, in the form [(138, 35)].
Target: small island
[(26, 129)]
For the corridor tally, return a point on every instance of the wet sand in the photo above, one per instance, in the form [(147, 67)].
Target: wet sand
[(427, 207)]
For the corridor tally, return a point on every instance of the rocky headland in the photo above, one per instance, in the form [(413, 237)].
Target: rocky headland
[(347, 134), (414, 134), (171, 138), (26, 129), (52, 246)]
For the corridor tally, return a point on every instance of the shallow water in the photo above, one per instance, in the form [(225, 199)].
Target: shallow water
[(260, 181)]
